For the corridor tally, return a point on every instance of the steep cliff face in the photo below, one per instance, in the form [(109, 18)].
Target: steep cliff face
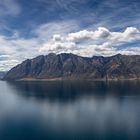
[(70, 66)]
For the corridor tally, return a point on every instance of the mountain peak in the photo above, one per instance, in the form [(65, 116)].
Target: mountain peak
[(51, 54), (118, 55)]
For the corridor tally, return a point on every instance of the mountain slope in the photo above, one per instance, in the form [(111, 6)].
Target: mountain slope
[(70, 66)]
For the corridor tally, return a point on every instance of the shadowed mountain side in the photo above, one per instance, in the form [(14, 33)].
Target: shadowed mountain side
[(70, 66)]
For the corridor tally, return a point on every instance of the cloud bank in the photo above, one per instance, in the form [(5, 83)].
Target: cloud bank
[(97, 42)]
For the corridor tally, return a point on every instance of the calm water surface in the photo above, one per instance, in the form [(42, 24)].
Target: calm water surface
[(70, 110)]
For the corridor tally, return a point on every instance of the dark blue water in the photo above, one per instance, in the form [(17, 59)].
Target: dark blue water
[(70, 110)]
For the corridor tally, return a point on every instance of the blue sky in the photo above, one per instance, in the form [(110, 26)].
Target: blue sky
[(24, 16), (84, 27)]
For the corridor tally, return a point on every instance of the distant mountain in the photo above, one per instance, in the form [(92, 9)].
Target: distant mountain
[(70, 66), (2, 74)]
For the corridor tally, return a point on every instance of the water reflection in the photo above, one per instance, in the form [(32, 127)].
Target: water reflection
[(69, 90), (70, 110)]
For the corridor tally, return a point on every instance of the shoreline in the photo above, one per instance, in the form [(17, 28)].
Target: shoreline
[(75, 79)]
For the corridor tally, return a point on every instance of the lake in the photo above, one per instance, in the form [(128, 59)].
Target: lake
[(70, 110)]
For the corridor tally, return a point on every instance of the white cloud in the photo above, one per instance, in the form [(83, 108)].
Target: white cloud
[(48, 30), (57, 37), (130, 51), (6, 64), (129, 34), (15, 50), (89, 43)]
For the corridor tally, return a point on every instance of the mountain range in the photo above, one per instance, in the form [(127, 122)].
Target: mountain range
[(70, 66)]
